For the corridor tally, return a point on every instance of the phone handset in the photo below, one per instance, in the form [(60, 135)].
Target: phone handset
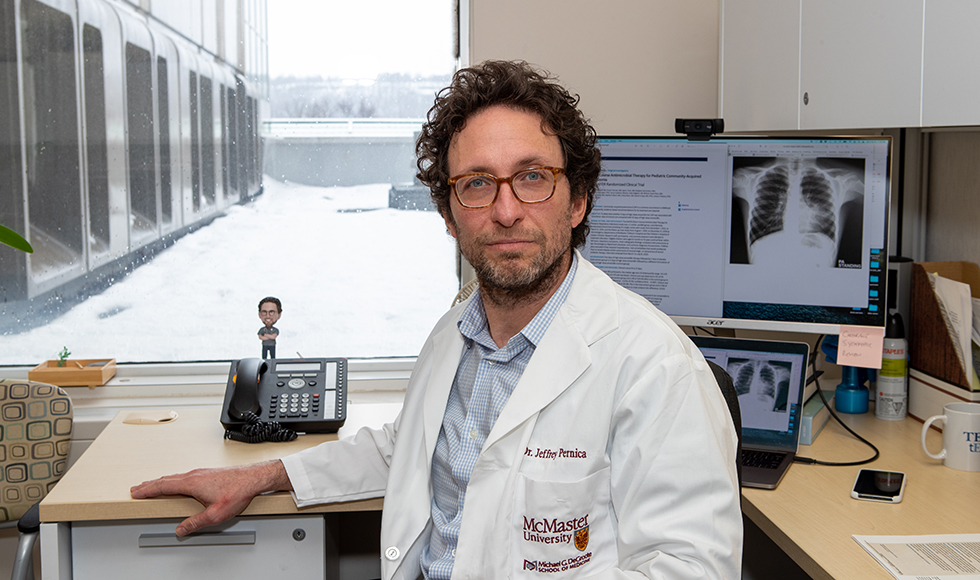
[(243, 406), (246, 395)]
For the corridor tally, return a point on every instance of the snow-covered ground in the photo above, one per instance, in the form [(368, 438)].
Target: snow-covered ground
[(355, 278)]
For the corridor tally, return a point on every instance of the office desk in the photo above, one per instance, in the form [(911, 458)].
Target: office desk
[(96, 488), (811, 515)]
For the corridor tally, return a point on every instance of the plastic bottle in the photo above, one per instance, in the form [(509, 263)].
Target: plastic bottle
[(892, 392)]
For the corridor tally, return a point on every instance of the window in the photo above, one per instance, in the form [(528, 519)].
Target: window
[(98, 165), (196, 176), (234, 164), (52, 151), (195, 141), (140, 133), (163, 107)]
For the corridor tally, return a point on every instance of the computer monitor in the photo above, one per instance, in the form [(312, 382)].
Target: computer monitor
[(771, 233)]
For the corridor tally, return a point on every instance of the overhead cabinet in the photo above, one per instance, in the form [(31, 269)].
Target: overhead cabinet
[(821, 64), (951, 55)]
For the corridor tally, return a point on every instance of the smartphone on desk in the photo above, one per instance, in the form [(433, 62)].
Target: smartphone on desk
[(875, 485), (306, 395)]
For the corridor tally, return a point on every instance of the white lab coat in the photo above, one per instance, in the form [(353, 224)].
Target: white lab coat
[(613, 457)]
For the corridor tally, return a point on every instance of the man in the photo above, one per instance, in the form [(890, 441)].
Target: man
[(555, 425), (270, 309)]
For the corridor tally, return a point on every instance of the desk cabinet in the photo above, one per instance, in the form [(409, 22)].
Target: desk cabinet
[(272, 547), (91, 527)]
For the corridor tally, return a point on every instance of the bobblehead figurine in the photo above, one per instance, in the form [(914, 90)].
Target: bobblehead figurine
[(270, 309)]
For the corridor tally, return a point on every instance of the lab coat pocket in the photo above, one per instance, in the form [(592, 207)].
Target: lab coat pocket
[(563, 528)]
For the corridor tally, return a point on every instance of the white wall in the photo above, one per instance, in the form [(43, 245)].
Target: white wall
[(637, 64)]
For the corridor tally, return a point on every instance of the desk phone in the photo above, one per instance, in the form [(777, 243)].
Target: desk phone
[(306, 395)]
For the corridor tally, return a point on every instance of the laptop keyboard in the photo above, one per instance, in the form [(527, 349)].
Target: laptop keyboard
[(763, 459)]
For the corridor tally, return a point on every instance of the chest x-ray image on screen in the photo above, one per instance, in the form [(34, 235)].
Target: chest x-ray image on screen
[(801, 208), (762, 384), (771, 233)]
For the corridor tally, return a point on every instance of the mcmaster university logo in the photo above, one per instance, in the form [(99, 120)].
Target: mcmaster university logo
[(582, 538), (555, 536), (573, 531)]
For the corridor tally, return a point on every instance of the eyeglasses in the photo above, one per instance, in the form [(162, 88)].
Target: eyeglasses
[(534, 185), (268, 312)]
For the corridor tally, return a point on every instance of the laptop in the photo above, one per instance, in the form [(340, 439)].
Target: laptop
[(769, 377)]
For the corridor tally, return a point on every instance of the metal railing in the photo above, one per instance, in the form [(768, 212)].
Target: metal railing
[(335, 128)]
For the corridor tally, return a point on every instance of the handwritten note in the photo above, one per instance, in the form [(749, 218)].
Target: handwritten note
[(860, 346)]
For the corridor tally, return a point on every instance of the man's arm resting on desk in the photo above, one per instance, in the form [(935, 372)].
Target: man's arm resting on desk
[(225, 492)]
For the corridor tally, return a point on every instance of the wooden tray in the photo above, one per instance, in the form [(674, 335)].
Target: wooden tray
[(75, 373)]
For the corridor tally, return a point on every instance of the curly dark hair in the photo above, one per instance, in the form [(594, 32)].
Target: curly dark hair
[(273, 300), (517, 85)]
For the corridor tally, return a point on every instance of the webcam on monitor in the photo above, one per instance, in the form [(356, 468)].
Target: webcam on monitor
[(699, 129)]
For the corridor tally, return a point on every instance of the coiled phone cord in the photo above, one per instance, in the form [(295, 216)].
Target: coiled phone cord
[(256, 430)]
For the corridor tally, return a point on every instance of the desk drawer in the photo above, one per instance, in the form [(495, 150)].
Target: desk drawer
[(256, 547)]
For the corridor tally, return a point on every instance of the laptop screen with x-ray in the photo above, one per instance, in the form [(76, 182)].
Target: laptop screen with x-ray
[(769, 377)]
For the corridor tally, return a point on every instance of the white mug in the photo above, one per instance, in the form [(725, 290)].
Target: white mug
[(961, 436)]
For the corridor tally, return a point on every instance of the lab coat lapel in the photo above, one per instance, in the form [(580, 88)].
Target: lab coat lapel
[(447, 349), (589, 313), (560, 359)]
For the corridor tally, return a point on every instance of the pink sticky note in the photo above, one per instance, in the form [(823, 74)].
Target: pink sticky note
[(860, 346)]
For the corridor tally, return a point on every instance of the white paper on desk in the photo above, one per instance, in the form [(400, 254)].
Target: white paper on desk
[(938, 557), (956, 305)]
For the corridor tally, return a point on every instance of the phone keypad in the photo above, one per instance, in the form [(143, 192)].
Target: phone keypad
[(307, 395), (291, 405), (294, 405)]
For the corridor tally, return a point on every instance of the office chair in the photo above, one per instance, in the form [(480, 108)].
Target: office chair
[(727, 387), (35, 434)]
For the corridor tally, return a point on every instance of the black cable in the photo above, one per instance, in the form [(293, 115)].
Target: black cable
[(813, 364), (256, 431)]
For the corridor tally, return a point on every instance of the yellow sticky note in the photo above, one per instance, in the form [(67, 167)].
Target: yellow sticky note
[(860, 346)]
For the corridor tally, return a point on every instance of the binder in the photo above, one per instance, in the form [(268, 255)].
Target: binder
[(931, 349)]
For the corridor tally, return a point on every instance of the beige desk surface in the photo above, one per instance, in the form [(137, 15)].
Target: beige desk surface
[(97, 485), (812, 517)]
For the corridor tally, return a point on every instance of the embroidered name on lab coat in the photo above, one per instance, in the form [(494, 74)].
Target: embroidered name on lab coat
[(552, 454)]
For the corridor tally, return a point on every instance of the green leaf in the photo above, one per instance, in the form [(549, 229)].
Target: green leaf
[(14, 240)]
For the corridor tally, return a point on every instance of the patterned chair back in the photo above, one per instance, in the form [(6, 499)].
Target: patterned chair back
[(35, 435)]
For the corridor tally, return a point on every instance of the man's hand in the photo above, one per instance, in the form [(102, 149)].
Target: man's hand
[(224, 492)]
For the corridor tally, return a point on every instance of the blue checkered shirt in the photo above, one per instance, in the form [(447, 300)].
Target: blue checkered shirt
[(485, 378)]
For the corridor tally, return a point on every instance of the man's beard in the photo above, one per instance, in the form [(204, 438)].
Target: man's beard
[(505, 281)]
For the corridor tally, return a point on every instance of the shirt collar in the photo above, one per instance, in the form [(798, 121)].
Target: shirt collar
[(473, 322)]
